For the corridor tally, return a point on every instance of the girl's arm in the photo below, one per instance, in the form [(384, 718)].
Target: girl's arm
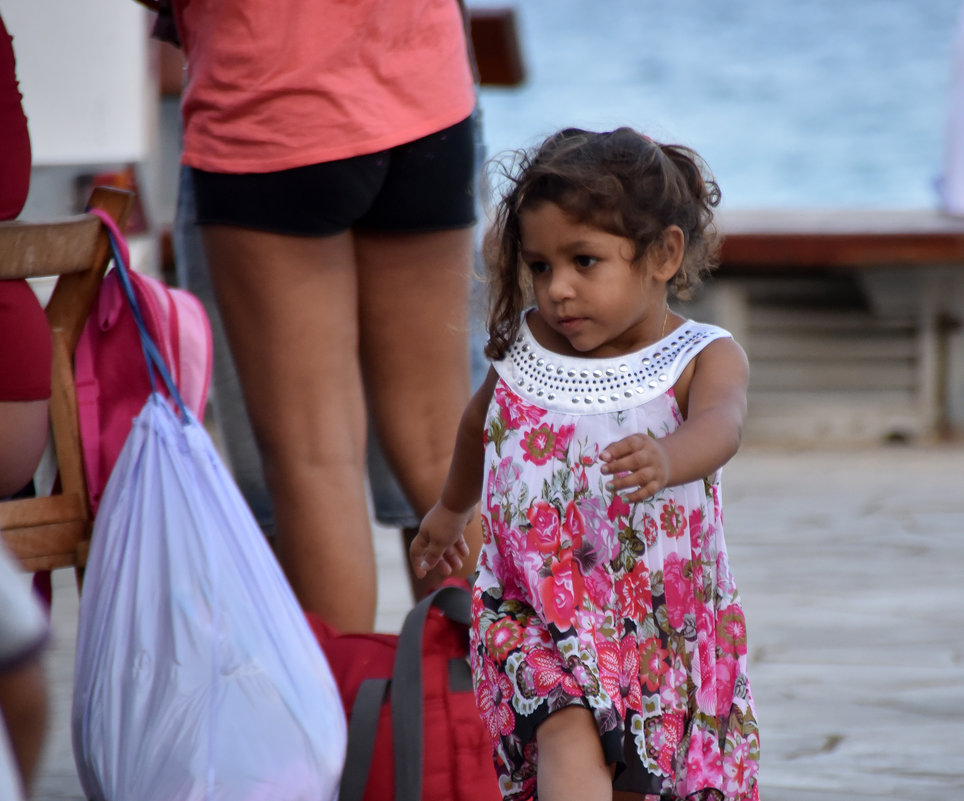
[(707, 439), (440, 541)]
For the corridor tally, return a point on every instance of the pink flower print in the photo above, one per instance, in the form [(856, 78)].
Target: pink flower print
[(502, 560), (653, 663), (731, 630), (666, 740), (704, 764), (573, 525), (738, 770), (541, 444), (547, 673), (705, 625), (515, 412), (508, 539), (674, 687), (705, 664), (545, 527), (724, 579), (536, 636), (487, 526), (587, 459), (538, 444), (505, 478), (619, 674), (678, 589), (650, 530), (673, 520), (598, 531), (562, 592), (726, 672), (599, 588), (696, 527), (493, 694), (563, 438), (618, 507), (580, 480), (515, 590), (635, 593), (503, 637)]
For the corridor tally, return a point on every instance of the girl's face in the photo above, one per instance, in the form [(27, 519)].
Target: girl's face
[(588, 289)]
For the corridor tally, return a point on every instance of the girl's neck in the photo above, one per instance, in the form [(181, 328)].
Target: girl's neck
[(554, 342)]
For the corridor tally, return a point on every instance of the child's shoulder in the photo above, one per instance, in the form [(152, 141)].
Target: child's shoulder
[(719, 360), (691, 337)]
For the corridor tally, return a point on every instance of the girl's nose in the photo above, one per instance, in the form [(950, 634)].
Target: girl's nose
[(560, 285)]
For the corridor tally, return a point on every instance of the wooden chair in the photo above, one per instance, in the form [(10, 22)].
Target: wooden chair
[(53, 532)]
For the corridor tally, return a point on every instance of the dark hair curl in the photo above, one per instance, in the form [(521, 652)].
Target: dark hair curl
[(620, 181)]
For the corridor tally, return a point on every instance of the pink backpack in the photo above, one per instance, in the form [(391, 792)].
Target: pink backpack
[(109, 369)]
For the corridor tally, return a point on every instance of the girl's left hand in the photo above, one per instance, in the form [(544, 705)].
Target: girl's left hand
[(636, 461)]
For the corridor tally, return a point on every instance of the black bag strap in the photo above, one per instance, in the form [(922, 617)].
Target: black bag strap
[(406, 704)]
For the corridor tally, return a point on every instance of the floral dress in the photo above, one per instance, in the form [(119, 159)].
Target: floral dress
[(628, 609)]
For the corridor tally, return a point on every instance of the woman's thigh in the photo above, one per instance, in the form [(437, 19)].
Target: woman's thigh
[(289, 311), (414, 302)]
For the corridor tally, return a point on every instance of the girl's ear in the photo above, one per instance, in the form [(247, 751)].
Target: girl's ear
[(667, 256)]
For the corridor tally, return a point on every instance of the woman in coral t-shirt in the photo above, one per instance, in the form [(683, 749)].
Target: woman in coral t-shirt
[(333, 158)]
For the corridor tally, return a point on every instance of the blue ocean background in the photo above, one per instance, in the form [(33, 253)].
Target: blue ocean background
[(793, 103)]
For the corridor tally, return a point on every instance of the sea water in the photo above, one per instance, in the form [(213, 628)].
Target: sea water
[(793, 103)]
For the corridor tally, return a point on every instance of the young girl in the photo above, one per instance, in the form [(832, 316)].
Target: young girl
[(608, 642)]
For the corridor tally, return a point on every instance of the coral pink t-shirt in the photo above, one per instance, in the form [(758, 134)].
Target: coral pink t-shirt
[(275, 84)]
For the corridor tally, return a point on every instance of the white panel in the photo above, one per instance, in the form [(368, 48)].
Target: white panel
[(84, 73)]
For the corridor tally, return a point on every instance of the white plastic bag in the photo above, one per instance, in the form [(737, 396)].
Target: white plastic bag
[(197, 676)]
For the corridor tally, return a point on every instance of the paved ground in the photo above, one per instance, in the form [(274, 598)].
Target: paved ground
[(851, 565)]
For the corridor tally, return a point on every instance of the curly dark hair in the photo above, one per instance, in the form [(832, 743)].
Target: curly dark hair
[(620, 181)]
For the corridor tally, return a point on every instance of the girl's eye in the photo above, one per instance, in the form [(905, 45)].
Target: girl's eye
[(586, 261), (538, 267)]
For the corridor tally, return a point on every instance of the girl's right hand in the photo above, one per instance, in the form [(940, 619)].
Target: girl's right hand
[(440, 542), (639, 461)]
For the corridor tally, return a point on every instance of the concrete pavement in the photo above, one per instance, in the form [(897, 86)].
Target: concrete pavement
[(851, 566)]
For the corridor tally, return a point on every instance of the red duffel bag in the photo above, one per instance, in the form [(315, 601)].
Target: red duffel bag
[(414, 730)]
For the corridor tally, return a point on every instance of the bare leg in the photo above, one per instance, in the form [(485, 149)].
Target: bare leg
[(571, 762), (414, 311), (289, 306), (24, 702)]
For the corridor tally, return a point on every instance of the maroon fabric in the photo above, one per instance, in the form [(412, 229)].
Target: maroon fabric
[(25, 354), (15, 156)]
